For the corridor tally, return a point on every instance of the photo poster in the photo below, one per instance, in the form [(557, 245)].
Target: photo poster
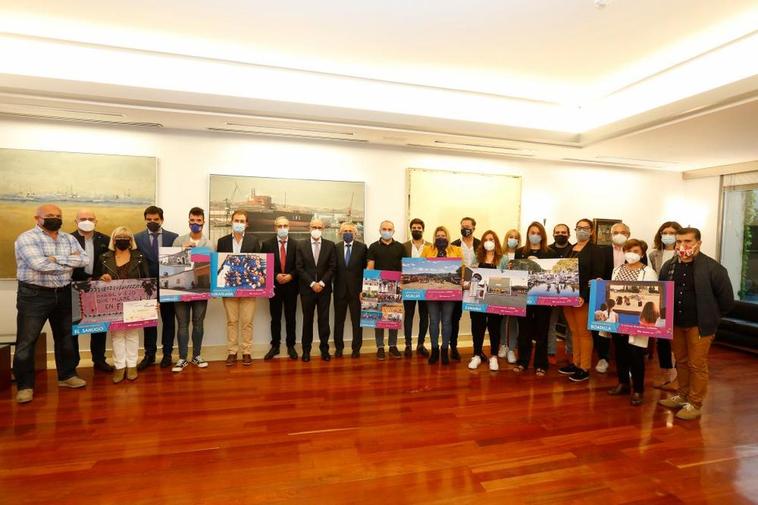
[(98, 306), (495, 291), (184, 274), (381, 300), (552, 282), (431, 279), (244, 275), (638, 308)]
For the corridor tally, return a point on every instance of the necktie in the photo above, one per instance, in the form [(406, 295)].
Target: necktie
[(347, 254), (282, 256), (316, 251), (155, 244)]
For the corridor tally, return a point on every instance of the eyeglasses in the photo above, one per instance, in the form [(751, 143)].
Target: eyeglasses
[(583, 228)]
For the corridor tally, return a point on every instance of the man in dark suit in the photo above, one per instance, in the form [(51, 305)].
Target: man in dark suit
[(95, 244), (348, 284), (468, 244), (148, 242), (239, 311), (316, 262), (285, 288)]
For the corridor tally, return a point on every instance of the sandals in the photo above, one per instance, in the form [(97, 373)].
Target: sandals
[(540, 372), (518, 368)]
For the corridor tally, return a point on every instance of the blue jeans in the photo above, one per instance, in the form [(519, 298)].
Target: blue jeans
[(36, 305), (440, 312), (183, 309), (509, 332)]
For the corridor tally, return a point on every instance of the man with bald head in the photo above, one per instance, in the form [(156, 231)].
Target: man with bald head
[(316, 263), (348, 284), (94, 244), (45, 260)]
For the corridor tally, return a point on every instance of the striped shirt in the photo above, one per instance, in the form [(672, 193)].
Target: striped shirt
[(33, 251)]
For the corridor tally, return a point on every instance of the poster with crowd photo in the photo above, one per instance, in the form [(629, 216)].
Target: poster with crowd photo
[(432, 279), (552, 282), (381, 300), (639, 308), (184, 275), (243, 275), (99, 306), (496, 291)]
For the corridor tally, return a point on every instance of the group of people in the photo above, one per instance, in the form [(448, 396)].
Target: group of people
[(321, 272)]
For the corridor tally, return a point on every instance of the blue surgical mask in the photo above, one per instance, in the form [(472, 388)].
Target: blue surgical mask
[(282, 232), (386, 234), (196, 228), (512, 243), (347, 236), (668, 239), (535, 239), (238, 227)]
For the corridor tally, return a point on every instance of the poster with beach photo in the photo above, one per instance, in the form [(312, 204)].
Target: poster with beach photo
[(381, 300), (431, 279), (552, 282), (184, 275), (496, 291), (637, 308)]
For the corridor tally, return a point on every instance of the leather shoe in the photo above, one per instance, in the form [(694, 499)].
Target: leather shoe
[(355, 354), (421, 351), (102, 366), (338, 353), (166, 361), (291, 352), (325, 356), (247, 360), (231, 360), (621, 389), (636, 399), (454, 354), (306, 356), (147, 361), (274, 351)]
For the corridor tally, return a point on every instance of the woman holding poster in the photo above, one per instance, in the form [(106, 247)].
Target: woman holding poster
[(123, 261), (509, 324), (488, 255), (441, 312)]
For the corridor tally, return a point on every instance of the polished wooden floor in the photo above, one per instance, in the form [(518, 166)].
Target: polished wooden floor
[(362, 431)]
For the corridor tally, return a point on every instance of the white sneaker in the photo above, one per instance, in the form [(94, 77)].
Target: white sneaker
[(511, 357), (602, 366), (199, 362), (474, 363), (503, 351), (180, 365), (494, 365)]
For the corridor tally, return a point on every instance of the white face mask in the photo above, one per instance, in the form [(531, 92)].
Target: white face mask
[(619, 238), (489, 245), (86, 226), (315, 234), (631, 257), (668, 239)]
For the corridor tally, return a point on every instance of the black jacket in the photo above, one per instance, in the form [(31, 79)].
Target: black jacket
[(307, 269), (100, 243), (250, 244), (713, 290), (138, 268), (348, 280), (271, 246), (595, 262), (458, 243), (561, 252), (550, 253)]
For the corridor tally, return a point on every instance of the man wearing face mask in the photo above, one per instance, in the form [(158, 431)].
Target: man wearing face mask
[(702, 295), (468, 245), (45, 260), (348, 284), (413, 249), (561, 245), (316, 263), (95, 244), (386, 254), (239, 311), (149, 241), (285, 288)]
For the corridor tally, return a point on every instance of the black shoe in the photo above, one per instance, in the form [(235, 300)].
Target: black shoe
[(306, 356), (291, 352), (454, 355), (408, 352), (325, 356), (166, 361), (421, 351), (636, 399), (338, 353), (394, 353), (355, 354), (380, 354), (445, 358), (274, 351), (146, 362), (571, 369), (579, 376), (102, 366), (435, 356), (621, 389)]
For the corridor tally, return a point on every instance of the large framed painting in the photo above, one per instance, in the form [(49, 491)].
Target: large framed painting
[(117, 188), (299, 200)]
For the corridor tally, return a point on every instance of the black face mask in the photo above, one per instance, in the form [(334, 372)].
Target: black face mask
[(561, 240), (153, 226), (52, 223), (416, 234), (466, 232), (440, 243), (122, 244)]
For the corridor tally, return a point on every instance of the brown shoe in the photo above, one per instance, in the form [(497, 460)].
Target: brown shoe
[(24, 395), (72, 382), (247, 360), (231, 360), (118, 375), (131, 373)]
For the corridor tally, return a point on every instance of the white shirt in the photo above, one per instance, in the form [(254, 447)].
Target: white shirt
[(469, 254), (89, 248), (237, 244), (416, 251)]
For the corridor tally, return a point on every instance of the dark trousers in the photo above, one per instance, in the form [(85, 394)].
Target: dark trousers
[(35, 306), (320, 303), (533, 327), (457, 314), (423, 321), (603, 346), (186, 312), (167, 336), (630, 360), (340, 316), (96, 347), (480, 322), (283, 299), (664, 353)]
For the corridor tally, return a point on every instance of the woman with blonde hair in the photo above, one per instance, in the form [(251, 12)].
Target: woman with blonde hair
[(509, 324), (123, 261)]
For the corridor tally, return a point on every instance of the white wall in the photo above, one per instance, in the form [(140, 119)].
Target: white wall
[(557, 193)]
